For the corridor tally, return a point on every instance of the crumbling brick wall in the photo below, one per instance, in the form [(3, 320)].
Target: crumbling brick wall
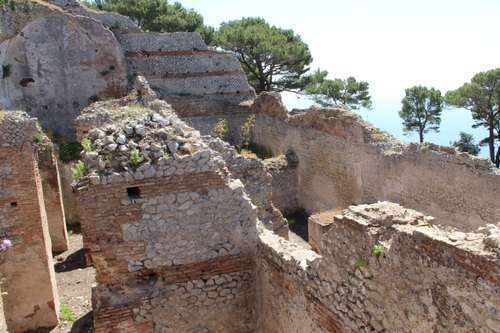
[(172, 239), (27, 267), (52, 196)]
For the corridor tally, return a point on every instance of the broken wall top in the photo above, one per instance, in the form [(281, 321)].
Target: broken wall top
[(339, 121), (17, 128), (135, 142)]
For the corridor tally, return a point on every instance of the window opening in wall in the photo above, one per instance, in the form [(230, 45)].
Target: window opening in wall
[(134, 192), (13, 204)]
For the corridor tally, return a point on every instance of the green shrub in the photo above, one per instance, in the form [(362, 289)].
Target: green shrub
[(69, 150), (292, 158), (291, 222), (79, 171), (38, 138), (87, 145), (136, 157), (93, 99), (66, 314), (105, 72), (261, 151), (359, 262)]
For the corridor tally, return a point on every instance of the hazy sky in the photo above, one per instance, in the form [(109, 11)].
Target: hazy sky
[(391, 44)]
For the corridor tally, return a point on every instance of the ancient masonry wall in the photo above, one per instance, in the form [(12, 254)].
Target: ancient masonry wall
[(52, 196), (181, 65), (344, 161), (424, 280), (27, 267), (257, 181), (173, 240), (284, 182)]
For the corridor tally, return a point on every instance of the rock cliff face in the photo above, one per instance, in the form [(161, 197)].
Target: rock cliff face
[(51, 78)]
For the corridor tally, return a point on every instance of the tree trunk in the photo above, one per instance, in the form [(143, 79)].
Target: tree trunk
[(491, 144), (497, 158)]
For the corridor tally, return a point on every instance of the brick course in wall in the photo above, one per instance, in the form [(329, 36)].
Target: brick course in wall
[(27, 267), (52, 195), (168, 237)]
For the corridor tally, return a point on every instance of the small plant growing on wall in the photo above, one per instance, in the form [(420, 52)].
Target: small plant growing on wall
[(220, 129), (93, 99), (377, 250), (79, 171), (136, 157), (358, 263), (38, 138), (246, 129), (87, 145)]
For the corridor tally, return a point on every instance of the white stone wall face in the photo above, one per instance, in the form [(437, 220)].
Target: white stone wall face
[(191, 227)]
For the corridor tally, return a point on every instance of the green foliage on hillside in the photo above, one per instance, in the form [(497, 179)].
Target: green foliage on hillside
[(157, 15)]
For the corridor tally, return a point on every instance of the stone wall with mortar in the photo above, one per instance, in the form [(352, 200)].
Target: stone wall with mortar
[(257, 181), (181, 65), (344, 161), (52, 78), (172, 234), (284, 182), (424, 280), (27, 267)]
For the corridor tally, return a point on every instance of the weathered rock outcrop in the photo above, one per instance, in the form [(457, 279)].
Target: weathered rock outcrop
[(52, 78)]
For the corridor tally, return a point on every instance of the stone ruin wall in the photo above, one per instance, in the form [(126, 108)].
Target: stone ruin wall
[(194, 79), (173, 240), (27, 266), (425, 280), (52, 196), (344, 161), (258, 184)]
